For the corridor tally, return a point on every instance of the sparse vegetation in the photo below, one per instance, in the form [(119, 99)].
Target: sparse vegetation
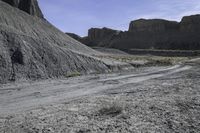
[(111, 108), (73, 74), (148, 60), (170, 103), (162, 62)]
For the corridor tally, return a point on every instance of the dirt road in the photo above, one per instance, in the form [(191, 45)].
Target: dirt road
[(15, 98)]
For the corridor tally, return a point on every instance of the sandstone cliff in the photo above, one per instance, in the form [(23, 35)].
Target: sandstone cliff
[(190, 24), (151, 34), (152, 25), (99, 37)]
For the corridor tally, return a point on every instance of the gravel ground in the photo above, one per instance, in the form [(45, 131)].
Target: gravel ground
[(168, 104)]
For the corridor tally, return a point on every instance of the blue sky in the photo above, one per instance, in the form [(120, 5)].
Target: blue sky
[(77, 16)]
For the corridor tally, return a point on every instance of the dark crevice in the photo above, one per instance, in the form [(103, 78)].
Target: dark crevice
[(16, 58)]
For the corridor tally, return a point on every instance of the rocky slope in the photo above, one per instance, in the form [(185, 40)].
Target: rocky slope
[(152, 34), (31, 48), (29, 6)]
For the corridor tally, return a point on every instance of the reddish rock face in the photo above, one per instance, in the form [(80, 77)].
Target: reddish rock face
[(29, 6)]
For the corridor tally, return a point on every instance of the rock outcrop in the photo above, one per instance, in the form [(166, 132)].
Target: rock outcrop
[(29, 6), (190, 24), (75, 36), (146, 34), (99, 37), (31, 48), (152, 25), (97, 33), (151, 34)]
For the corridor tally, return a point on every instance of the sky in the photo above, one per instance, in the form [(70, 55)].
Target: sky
[(77, 16)]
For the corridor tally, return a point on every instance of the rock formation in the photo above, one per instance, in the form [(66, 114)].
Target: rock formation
[(190, 24), (97, 37), (146, 34), (75, 36), (96, 33), (151, 34), (152, 25), (29, 6), (31, 48), (101, 37)]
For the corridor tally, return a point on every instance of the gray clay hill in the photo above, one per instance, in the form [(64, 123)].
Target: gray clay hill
[(32, 48)]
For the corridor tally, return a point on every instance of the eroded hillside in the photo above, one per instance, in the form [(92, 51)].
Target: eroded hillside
[(32, 48)]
